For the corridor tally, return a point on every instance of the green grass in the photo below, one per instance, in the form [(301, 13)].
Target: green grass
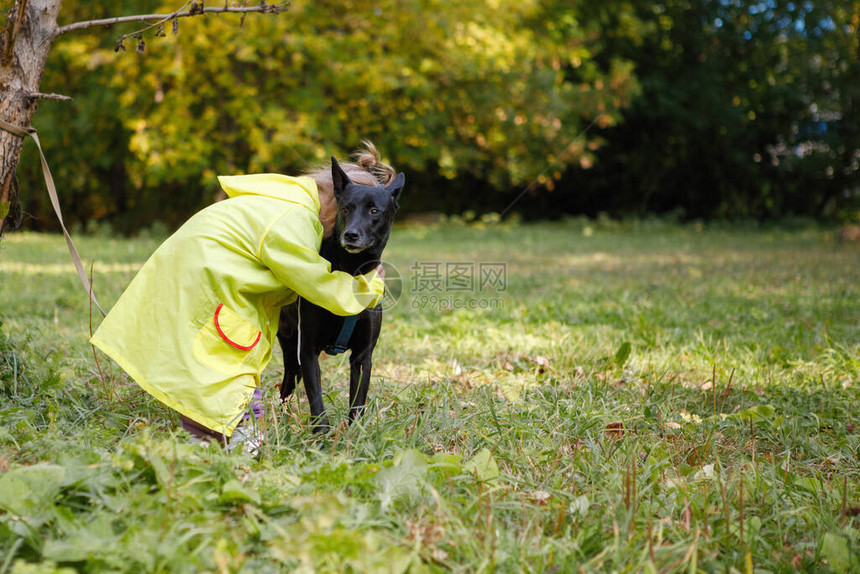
[(645, 397)]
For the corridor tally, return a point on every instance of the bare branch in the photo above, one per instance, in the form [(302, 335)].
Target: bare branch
[(41, 96), (262, 8)]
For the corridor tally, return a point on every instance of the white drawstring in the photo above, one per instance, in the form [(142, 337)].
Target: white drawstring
[(299, 328)]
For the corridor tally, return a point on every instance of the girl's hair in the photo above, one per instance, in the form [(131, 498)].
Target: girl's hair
[(368, 169)]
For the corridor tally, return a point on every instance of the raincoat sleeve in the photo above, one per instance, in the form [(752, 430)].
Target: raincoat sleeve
[(296, 262)]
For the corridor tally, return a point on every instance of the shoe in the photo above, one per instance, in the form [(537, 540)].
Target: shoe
[(249, 439), (199, 441)]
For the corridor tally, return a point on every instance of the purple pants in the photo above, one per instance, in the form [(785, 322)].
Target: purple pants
[(204, 433)]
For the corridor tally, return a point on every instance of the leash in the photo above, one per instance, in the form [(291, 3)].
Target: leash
[(343, 337), (52, 192), (340, 345)]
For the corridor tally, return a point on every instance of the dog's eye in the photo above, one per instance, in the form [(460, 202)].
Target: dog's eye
[(344, 211), (374, 211)]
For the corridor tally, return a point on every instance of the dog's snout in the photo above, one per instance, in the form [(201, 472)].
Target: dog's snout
[(351, 235)]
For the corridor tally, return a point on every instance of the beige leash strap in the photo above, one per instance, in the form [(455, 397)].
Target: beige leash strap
[(52, 192)]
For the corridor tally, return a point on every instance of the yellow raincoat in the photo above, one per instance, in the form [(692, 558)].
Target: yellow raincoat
[(196, 325)]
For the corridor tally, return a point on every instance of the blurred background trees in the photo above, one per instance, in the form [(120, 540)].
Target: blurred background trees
[(699, 108), (747, 109)]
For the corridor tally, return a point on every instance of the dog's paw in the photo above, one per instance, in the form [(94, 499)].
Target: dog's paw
[(287, 390), (321, 425)]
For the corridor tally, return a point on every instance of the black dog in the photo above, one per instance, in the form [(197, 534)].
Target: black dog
[(360, 234)]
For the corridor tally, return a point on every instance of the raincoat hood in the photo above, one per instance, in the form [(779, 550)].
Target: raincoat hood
[(300, 190)]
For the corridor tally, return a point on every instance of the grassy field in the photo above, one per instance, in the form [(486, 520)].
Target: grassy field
[(612, 397)]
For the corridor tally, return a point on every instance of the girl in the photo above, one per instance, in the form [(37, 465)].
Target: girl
[(195, 327)]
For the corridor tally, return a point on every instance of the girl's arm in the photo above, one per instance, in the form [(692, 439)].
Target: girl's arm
[(289, 252)]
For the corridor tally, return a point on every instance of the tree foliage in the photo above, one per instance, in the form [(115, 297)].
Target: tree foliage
[(705, 108), (484, 90)]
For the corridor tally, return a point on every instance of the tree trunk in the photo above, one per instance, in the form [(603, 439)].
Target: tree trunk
[(31, 26)]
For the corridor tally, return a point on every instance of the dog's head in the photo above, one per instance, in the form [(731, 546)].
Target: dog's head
[(365, 213)]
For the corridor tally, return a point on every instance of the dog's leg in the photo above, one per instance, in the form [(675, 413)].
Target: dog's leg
[(359, 382), (313, 388), (288, 384), (292, 370), (288, 337), (361, 361)]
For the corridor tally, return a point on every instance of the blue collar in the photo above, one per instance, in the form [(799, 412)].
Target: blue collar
[(342, 343)]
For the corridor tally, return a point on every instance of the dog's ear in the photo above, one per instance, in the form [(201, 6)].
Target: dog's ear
[(339, 178), (396, 186)]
